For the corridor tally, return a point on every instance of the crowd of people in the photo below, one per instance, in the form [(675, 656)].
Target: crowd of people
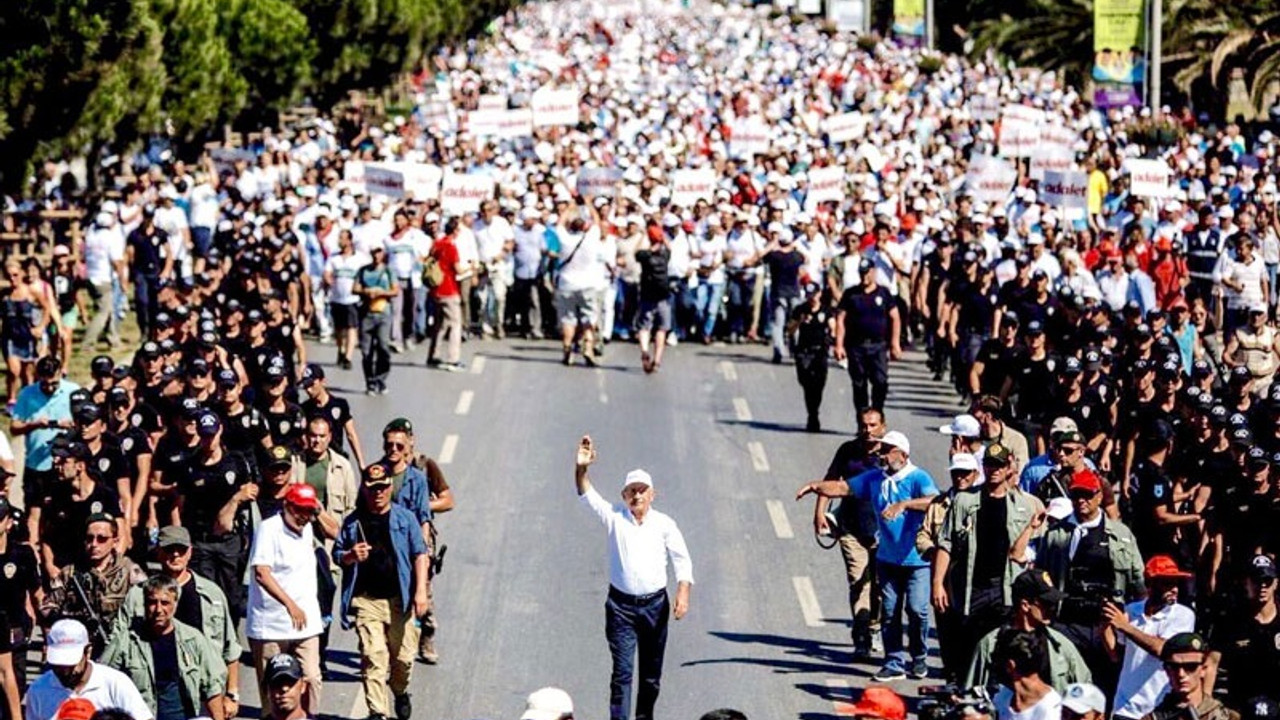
[(1105, 545)]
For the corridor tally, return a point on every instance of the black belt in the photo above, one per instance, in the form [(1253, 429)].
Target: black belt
[(619, 596), (210, 537)]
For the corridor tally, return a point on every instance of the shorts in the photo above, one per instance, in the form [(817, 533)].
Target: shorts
[(577, 307), (655, 315), (202, 241), (23, 350), (345, 317), (71, 319)]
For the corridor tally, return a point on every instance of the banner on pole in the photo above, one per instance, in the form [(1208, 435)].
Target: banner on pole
[(1066, 190), (555, 107), (1119, 61), (690, 186), (990, 179), (1148, 178), (461, 193)]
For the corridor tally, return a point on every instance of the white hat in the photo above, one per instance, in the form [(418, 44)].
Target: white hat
[(65, 643), (963, 461), (637, 476), (1059, 508), (1081, 698), (549, 703), (893, 438), (963, 426)]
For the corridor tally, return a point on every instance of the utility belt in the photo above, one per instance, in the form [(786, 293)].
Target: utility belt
[(627, 599)]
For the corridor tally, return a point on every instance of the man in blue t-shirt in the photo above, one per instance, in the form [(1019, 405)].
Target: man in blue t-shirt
[(900, 492), (42, 413)]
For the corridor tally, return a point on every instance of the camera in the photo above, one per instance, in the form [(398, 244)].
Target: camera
[(1085, 599), (951, 702)]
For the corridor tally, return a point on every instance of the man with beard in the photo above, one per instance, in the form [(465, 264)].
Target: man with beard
[(72, 674), (1142, 627)]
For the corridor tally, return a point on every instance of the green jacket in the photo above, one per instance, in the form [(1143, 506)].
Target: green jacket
[(1066, 665), (204, 675), (1054, 550), (215, 615), (958, 536)]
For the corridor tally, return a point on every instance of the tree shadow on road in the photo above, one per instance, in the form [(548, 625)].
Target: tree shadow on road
[(799, 655), (778, 427)]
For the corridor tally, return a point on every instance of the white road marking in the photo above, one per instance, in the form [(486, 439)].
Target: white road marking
[(448, 449), (604, 396), (477, 365), (464, 402), (759, 460), (808, 600), (778, 515), (742, 410), (729, 372)]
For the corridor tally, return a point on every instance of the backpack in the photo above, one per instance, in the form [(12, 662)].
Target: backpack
[(432, 272)]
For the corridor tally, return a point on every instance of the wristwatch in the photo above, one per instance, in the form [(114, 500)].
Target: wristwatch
[(234, 696)]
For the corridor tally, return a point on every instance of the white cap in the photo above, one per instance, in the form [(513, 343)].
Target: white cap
[(637, 476), (963, 461), (1059, 508), (65, 643), (549, 703), (963, 425), (893, 438), (1081, 698)]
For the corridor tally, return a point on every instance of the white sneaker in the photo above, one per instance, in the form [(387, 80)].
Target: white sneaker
[(672, 341)]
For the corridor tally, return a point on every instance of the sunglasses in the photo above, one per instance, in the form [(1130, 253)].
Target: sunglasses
[(1186, 667), (395, 446), (1082, 494), (98, 539), (1069, 449)]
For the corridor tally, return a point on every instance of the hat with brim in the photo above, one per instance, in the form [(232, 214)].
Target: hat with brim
[(65, 643)]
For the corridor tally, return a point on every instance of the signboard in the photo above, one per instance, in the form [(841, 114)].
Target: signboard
[(984, 108), (1118, 62), (990, 179), (908, 21), (846, 127), (599, 182), (826, 184), (461, 194), (383, 180), (848, 15), (484, 123), (1019, 130), (1148, 178), (1066, 190), (514, 124), (749, 136), (419, 179), (492, 102), (1055, 151), (435, 114), (555, 107), (690, 186)]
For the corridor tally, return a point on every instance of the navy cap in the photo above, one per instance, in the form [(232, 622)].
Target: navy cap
[(1035, 328), (1219, 414), (1238, 420), (1072, 366), (164, 318), (149, 349), (190, 407), (1242, 436), (275, 372), (254, 316), (101, 366), (311, 374), (228, 378), (1258, 457), (167, 346), (1201, 369), (1240, 374), (208, 425), (118, 396), (1009, 318), (1143, 330)]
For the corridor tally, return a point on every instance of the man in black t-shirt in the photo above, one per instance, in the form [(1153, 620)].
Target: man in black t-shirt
[(21, 581), (867, 332), (654, 319), (809, 331), (70, 503), (784, 259), (1247, 642), (322, 403)]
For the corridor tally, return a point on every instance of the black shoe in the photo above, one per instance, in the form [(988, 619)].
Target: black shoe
[(813, 425), (377, 716), (568, 358), (404, 706), (777, 357)]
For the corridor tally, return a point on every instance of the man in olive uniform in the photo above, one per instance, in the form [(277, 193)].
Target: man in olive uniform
[(92, 589), (867, 332), (1184, 658), (810, 329)]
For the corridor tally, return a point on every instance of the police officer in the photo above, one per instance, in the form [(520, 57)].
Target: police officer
[(810, 332), (867, 330)]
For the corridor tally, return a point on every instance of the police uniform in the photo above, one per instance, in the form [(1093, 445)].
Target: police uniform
[(866, 338), (812, 343)]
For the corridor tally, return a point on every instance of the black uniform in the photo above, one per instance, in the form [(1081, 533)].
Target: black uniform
[(866, 337), (218, 556), (812, 344)]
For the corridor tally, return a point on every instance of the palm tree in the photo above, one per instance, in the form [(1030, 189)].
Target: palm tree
[(1049, 34)]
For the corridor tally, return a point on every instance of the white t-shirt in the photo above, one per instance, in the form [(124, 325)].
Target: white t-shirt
[(586, 265), (1049, 707), (106, 688), (102, 248), (403, 252), (1143, 682), (204, 207), (291, 557), (343, 268)]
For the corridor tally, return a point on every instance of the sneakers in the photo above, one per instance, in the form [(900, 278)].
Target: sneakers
[(453, 367), (877, 642), (890, 672), (777, 357), (427, 650), (919, 669), (814, 425), (404, 706)]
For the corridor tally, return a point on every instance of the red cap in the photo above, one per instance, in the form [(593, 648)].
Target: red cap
[(75, 709), (1164, 243), (1163, 566), (302, 495), (878, 701), (1085, 479)]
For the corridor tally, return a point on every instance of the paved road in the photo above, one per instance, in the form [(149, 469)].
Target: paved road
[(522, 594)]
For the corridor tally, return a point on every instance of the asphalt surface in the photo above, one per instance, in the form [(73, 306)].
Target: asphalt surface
[(521, 596)]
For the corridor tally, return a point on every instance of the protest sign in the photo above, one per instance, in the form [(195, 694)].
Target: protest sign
[(555, 107), (690, 186), (1019, 130), (383, 180), (749, 136), (599, 182), (1148, 178), (461, 193), (1055, 150), (826, 184), (846, 127), (1065, 190), (990, 179)]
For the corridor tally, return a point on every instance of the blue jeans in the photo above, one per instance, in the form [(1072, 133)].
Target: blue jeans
[(781, 308), (636, 626), (709, 298), (899, 583)]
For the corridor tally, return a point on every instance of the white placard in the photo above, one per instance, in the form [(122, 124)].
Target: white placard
[(1019, 130), (749, 136), (810, 7), (1055, 151), (599, 182), (492, 102), (984, 108), (1148, 178), (461, 194), (1067, 190), (555, 107), (846, 127), (826, 184), (514, 124), (690, 186), (353, 175), (436, 114), (848, 15), (484, 123), (384, 180), (420, 179), (990, 179)]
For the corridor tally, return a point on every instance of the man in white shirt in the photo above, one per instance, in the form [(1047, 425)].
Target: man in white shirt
[(203, 218), (641, 542), (1141, 628), (284, 607), (172, 221), (1025, 695), (72, 675), (497, 243), (104, 264)]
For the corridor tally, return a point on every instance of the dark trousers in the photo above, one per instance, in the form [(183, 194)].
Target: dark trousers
[(869, 371), (524, 306), (144, 301), (811, 371), (959, 634), (375, 349), (741, 289), (223, 561), (635, 626)]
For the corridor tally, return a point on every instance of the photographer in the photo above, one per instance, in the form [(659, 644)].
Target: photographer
[(1142, 628), (1024, 695), (1035, 602)]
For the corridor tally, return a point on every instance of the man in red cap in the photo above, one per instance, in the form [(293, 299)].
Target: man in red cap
[(284, 607), (1138, 631), (880, 702), (1093, 558)]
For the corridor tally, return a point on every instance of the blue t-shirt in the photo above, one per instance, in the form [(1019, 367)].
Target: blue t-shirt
[(898, 536), (33, 404)]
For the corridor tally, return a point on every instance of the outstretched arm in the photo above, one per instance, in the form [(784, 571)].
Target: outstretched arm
[(586, 456)]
